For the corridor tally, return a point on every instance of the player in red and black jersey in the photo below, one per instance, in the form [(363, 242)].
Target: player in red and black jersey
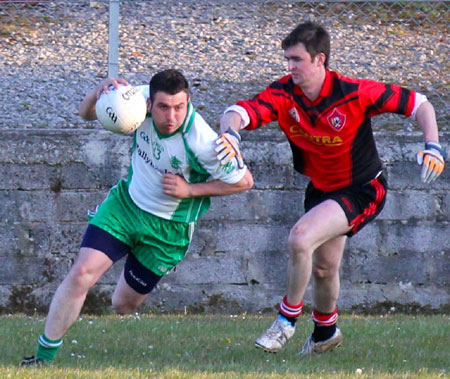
[(327, 120), (331, 137)]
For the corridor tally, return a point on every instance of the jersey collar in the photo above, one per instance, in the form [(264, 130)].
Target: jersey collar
[(325, 90), (190, 115)]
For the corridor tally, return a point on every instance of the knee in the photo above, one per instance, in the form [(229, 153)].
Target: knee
[(325, 271), (122, 306), (82, 276), (298, 241)]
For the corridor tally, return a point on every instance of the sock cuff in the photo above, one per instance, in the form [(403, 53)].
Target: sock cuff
[(325, 319), (46, 342), (290, 310)]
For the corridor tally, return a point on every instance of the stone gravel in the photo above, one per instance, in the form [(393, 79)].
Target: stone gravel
[(53, 52)]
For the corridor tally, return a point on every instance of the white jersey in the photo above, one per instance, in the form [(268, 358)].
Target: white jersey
[(189, 152)]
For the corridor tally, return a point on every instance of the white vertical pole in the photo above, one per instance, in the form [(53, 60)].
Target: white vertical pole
[(113, 58)]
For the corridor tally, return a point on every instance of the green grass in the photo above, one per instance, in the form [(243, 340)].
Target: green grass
[(142, 346)]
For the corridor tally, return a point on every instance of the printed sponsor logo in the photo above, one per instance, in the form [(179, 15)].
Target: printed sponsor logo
[(297, 131), (347, 204), (336, 120), (145, 137), (127, 95), (111, 114), (139, 280), (162, 268), (143, 154)]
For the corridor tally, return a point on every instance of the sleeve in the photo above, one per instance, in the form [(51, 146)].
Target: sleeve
[(242, 112), (419, 100), (201, 144), (262, 109), (381, 98)]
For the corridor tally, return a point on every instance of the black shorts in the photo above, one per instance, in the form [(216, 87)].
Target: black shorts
[(138, 277), (361, 204)]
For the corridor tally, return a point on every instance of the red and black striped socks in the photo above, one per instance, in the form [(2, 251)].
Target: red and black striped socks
[(290, 311), (324, 325)]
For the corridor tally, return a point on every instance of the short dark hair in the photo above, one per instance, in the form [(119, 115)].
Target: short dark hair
[(313, 36), (170, 81)]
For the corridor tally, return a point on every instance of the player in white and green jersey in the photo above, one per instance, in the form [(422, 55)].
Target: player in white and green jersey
[(187, 152), (150, 217)]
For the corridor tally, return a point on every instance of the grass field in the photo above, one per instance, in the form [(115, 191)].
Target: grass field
[(149, 346)]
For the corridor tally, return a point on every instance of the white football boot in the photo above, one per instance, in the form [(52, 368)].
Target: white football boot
[(310, 347), (274, 338)]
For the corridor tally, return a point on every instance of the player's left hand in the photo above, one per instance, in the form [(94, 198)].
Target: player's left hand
[(106, 84), (228, 148), (176, 186), (432, 161)]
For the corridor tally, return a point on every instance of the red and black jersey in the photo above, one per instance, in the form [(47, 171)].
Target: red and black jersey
[(331, 138)]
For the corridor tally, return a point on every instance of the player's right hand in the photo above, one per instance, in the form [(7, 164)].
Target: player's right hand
[(432, 161), (228, 148)]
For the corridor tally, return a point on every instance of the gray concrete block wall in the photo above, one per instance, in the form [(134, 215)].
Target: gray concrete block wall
[(237, 261)]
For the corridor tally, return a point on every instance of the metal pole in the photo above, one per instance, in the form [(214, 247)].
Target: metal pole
[(113, 58)]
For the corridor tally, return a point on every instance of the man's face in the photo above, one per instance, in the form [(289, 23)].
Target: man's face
[(169, 111), (304, 70)]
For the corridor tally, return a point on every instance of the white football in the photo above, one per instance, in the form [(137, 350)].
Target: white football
[(122, 110)]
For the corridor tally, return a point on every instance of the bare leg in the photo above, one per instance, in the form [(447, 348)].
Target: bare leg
[(125, 299), (319, 229), (323, 223), (69, 298), (326, 263)]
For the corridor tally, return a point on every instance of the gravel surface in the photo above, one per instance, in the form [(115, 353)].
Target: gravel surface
[(53, 52)]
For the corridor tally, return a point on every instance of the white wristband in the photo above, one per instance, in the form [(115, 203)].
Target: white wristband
[(245, 119)]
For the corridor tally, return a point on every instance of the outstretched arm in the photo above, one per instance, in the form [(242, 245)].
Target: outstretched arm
[(432, 157), (87, 106), (231, 120), (176, 186), (426, 118)]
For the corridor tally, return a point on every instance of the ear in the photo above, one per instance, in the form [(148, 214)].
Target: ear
[(321, 58), (149, 105)]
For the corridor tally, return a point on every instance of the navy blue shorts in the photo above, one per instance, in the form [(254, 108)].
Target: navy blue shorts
[(138, 277), (361, 204)]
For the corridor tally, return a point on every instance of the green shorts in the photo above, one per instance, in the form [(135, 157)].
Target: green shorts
[(158, 244)]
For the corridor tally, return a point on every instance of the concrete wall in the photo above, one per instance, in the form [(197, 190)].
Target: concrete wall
[(237, 260)]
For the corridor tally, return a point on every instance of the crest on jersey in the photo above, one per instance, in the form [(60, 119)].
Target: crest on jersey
[(336, 120), (175, 162), (294, 114)]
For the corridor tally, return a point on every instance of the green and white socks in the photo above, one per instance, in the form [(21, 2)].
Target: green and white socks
[(47, 348)]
